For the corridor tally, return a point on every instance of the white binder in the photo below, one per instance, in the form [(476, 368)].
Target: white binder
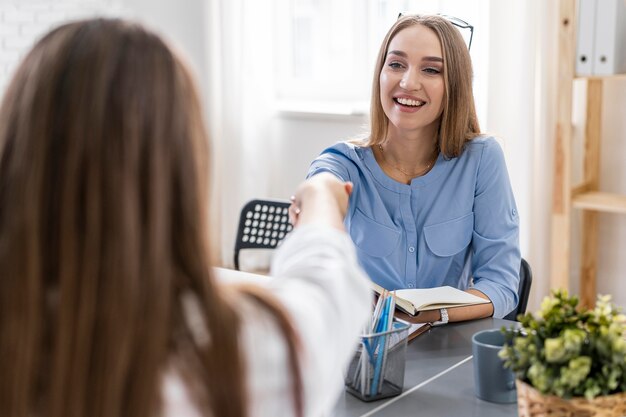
[(610, 37), (585, 36)]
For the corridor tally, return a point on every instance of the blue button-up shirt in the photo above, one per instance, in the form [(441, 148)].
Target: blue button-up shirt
[(457, 225)]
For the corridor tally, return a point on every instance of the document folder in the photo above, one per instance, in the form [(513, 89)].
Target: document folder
[(585, 37), (610, 37)]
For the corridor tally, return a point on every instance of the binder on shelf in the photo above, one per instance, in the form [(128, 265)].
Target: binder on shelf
[(585, 37), (610, 37)]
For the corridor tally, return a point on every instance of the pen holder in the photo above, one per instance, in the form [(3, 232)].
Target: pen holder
[(377, 369)]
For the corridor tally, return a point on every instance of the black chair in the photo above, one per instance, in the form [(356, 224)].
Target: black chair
[(263, 224), (523, 290)]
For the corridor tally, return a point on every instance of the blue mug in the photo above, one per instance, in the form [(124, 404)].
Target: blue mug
[(492, 382)]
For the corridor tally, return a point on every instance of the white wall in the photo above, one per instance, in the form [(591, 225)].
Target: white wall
[(23, 22), (183, 23), (612, 247), (298, 139)]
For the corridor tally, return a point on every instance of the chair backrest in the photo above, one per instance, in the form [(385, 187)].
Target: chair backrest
[(263, 224), (523, 290)]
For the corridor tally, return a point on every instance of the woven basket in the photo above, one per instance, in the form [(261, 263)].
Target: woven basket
[(532, 403)]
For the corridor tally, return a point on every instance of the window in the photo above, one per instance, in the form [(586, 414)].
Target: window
[(326, 49)]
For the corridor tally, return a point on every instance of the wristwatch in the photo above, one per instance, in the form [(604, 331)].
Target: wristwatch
[(444, 318)]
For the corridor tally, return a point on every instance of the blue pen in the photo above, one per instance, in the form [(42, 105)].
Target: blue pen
[(388, 338), (376, 322), (379, 359), (381, 324)]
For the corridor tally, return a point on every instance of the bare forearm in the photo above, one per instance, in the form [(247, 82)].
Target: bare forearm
[(460, 313), (472, 312)]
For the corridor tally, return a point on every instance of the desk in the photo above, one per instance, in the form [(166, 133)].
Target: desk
[(226, 275), (439, 374), (438, 380)]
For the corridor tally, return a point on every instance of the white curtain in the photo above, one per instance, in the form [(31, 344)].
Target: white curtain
[(545, 17), (521, 101), (240, 102)]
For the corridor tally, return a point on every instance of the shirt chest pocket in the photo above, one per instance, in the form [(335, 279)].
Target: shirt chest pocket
[(373, 238), (450, 237)]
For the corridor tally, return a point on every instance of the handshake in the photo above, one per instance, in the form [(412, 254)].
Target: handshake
[(321, 199)]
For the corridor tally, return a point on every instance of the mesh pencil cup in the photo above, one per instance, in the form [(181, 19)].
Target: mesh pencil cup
[(377, 369)]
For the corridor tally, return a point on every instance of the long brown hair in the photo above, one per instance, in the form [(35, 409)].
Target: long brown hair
[(459, 123), (103, 233)]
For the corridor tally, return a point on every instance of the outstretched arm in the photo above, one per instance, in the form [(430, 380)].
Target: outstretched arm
[(320, 200)]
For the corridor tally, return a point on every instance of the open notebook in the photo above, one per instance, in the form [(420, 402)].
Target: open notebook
[(412, 301)]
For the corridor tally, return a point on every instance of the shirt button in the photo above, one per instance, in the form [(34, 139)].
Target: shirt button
[(514, 212), (410, 285), (411, 249)]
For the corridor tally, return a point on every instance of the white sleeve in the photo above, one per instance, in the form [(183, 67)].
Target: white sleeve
[(328, 297)]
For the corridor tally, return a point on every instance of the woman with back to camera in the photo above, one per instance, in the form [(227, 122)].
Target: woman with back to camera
[(432, 203), (108, 306)]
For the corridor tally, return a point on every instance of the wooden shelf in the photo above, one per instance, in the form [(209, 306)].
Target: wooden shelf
[(585, 196), (601, 77), (599, 201)]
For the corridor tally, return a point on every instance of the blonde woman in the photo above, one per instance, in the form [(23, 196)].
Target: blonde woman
[(432, 203)]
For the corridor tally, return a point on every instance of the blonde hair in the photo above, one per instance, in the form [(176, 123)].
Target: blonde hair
[(458, 123)]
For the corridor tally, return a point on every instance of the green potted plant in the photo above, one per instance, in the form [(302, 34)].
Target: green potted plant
[(567, 360)]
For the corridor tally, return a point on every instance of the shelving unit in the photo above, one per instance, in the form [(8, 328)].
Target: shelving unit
[(585, 196)]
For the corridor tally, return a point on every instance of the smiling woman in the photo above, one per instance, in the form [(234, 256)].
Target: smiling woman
[(432, 204)]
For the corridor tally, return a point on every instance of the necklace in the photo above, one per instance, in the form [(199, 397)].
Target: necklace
[(397, 168)]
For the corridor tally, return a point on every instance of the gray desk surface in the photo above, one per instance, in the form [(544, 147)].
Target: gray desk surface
[(438, 381)]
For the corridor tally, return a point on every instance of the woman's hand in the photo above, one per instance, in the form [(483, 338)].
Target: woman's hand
[(322, 198)]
